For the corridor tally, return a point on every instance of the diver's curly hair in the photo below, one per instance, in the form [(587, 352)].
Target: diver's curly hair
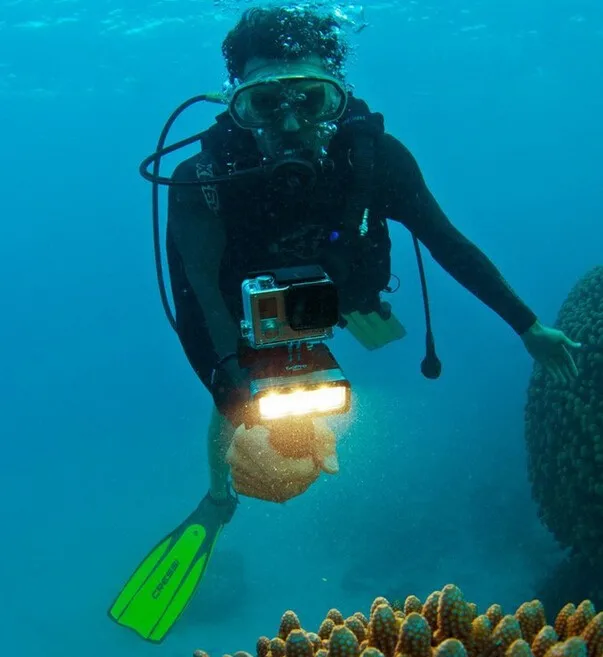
[(284, 33)]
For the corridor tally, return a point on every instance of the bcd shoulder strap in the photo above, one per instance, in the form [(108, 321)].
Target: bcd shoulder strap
[(361, 128)]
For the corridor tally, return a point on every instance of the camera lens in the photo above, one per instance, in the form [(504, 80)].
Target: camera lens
[(312, 307)]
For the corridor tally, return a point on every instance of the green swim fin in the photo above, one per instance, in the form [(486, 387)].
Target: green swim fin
[(160, 588), (376, 329)]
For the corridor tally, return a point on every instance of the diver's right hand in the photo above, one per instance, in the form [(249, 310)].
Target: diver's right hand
[(281, 462)]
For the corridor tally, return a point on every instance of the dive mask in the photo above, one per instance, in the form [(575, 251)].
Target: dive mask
[(265, 101)]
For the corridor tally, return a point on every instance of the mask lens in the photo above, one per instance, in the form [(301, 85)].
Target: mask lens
[(311, 101), (261, 103)]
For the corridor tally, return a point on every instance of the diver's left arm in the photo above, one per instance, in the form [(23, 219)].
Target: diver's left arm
[(409, 201)]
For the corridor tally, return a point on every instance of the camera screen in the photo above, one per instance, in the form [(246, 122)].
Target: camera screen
[(268, 307), (312, 306)]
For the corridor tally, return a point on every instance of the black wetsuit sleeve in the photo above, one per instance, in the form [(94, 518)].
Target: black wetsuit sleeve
[(409, 201), (190, 319), (195, 242)]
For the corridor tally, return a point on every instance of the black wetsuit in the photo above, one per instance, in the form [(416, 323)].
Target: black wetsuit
[(274, 232)]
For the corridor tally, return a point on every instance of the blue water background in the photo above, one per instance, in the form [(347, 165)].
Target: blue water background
[(102, 421)]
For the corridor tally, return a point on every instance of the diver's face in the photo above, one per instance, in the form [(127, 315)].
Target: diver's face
[(291, 116)]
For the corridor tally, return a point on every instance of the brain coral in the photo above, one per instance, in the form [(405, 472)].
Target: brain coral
[(564, 430)]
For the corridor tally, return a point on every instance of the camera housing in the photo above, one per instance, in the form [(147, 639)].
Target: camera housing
[(287, 315), (288, 305)]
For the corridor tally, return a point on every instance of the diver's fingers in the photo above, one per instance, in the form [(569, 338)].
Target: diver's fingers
[(250, 447), (549, 369), (560, 364), (566, 372), (252, 488), (252, 456), (571, 343), (244, 484), (554, 371), (299, 469), (567, 366), (278, 490), (571, 363), (326, 448)]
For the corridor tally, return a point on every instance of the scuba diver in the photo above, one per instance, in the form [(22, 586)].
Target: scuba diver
[(297, 170)]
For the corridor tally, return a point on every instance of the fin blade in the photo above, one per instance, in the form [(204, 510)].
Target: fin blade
[(185, 592), (138, 578), (150, 591)]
